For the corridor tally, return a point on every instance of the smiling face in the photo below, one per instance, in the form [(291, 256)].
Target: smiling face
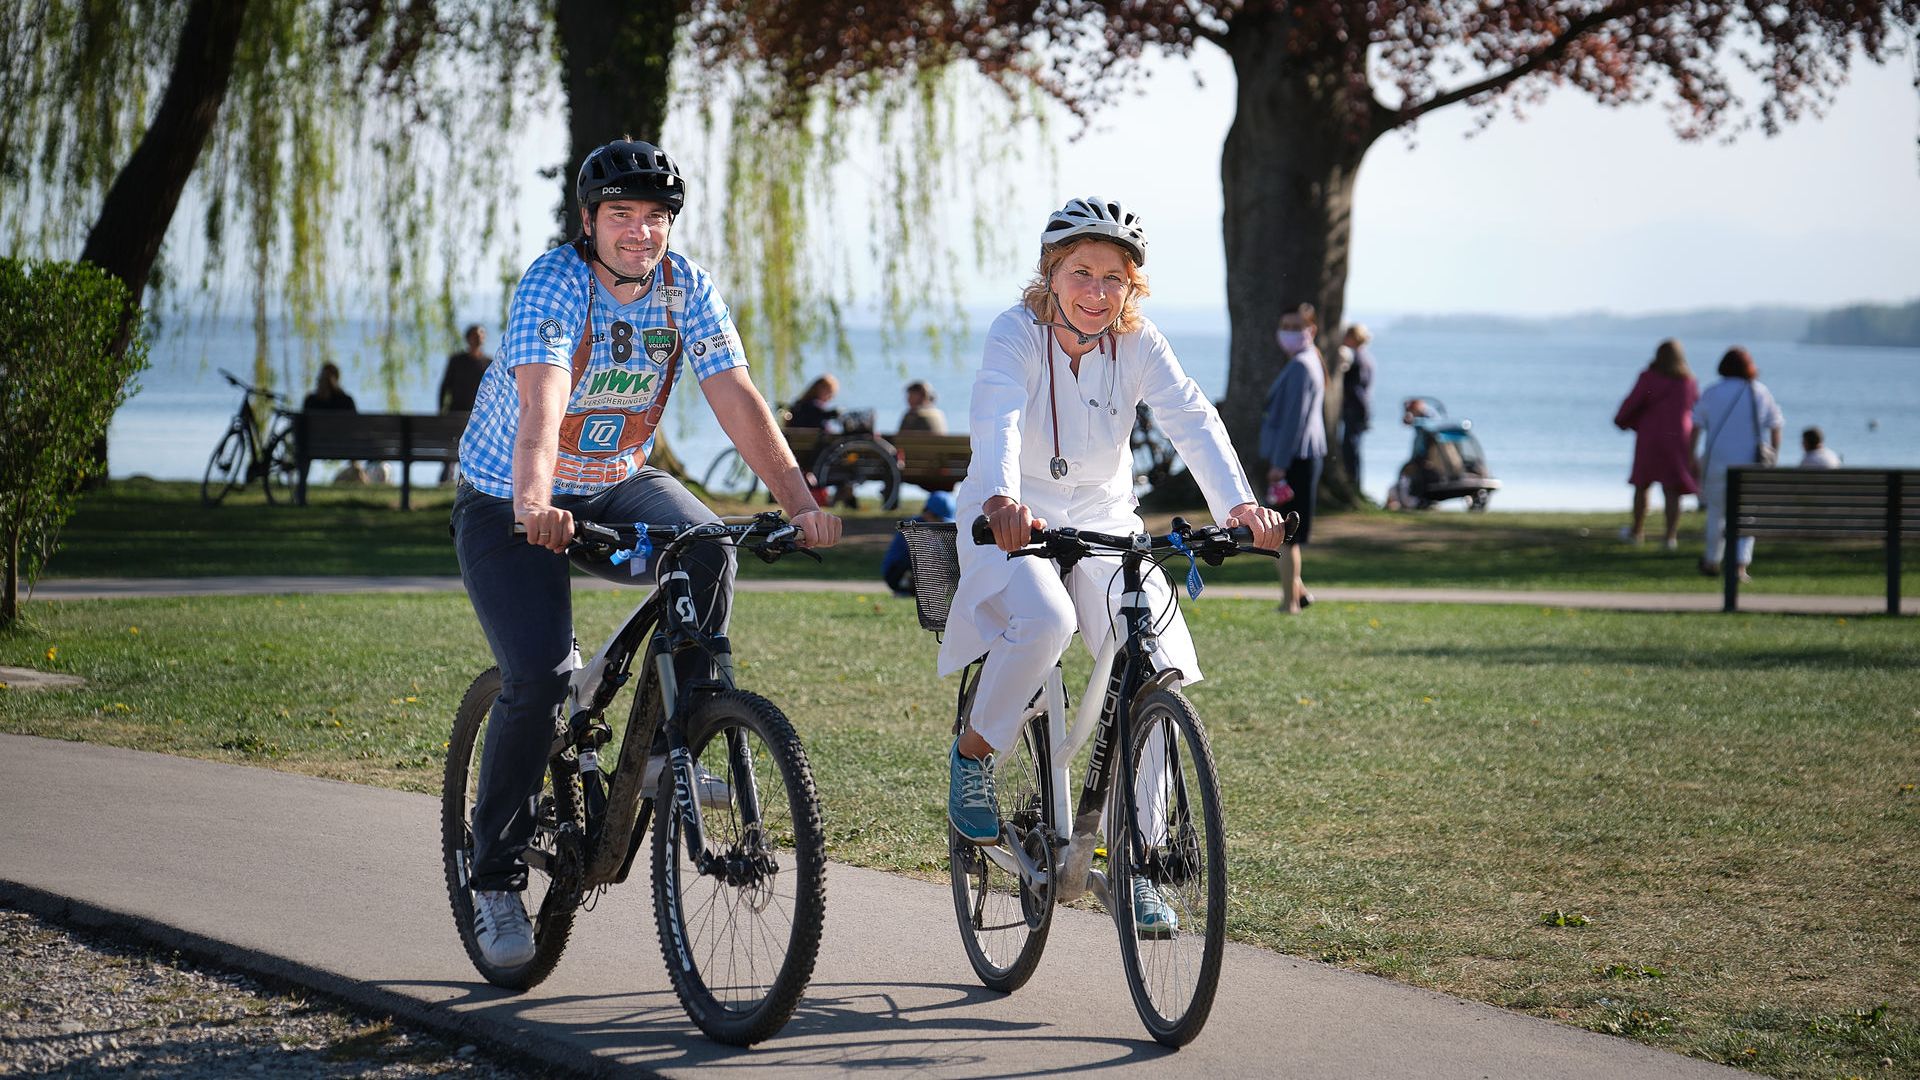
[(1092, 283), (629, 235)]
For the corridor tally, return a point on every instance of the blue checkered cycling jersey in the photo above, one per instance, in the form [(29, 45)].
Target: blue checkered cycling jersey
[(618, 398)]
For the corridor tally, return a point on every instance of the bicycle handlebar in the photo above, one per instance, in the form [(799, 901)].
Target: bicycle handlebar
[(251, 390), (1210, 542), (769, 535)]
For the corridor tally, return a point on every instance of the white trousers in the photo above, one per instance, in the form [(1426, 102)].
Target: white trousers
[(1714, 494), (1039, 614)]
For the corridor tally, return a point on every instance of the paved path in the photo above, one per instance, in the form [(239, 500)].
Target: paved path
[(119, 588), (338, 887)]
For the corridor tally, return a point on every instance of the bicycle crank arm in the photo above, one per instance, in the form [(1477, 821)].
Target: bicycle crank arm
[(1013, 858)]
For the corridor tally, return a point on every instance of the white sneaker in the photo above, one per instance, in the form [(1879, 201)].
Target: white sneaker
[(501, 926)]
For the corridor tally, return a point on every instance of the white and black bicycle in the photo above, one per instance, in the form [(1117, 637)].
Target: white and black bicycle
[(1149, 801), (738, 855)]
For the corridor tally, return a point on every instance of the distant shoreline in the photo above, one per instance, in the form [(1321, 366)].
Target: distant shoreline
[(1885, 325)]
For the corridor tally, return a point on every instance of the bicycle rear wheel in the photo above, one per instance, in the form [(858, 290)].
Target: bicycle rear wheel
[(1003, 920), (553, 858), (226, 469), (1167, 790), (740, 936)]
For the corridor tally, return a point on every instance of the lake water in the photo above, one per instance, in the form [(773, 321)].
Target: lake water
[(1542, 405)]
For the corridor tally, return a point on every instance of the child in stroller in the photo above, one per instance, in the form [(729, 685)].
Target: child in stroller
[(1446, 462)]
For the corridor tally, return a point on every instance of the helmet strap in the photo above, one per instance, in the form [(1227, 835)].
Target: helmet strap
[(590, 252), (1063, 324)]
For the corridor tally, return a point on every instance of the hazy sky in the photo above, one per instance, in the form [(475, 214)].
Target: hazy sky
[(1573, 209)]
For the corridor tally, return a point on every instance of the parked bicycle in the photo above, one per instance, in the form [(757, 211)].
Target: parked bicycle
[(1148, 744), (738, 854), (243, 455), (852, 461)]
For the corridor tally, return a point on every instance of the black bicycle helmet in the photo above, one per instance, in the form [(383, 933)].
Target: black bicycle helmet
[(1104, 218), (631, 170)]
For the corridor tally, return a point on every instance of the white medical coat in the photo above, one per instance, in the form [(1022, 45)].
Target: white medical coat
[(1012, 431)]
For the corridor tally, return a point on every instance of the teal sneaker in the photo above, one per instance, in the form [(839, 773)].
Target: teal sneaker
[(1152, 918), (971, 806)]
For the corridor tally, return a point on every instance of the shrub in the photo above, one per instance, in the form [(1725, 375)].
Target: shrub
[(60, 382)]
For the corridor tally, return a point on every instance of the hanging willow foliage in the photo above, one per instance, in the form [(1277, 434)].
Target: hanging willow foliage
[(354, 134), (353, 172)]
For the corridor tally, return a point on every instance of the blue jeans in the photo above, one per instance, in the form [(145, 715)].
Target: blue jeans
[(521, 594)]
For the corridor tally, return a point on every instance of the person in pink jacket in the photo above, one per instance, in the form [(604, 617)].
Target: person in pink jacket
[(1659, 411)]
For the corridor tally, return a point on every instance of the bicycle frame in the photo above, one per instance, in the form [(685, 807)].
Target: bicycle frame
[(663, 623), (1118, 676)]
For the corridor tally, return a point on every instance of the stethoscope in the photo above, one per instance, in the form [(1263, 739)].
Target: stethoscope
[(1107, 347)]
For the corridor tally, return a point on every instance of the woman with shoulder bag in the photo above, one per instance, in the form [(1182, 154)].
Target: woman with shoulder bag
[(1742, 424)]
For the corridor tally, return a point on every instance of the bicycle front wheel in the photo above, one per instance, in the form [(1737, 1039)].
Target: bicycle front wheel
[(1004, 920), (226, 469), (1168, 843), (554, 857), (281, 472), (740, 919)]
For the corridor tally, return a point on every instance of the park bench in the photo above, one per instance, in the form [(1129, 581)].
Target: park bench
[(1838, 504), (933, 462), (355, 436)]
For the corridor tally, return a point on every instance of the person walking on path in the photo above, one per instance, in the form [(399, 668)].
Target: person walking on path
[(1050, 420), (1356, 397), (1293, 442), (1742, 425), (596, 333), (1659, 411)]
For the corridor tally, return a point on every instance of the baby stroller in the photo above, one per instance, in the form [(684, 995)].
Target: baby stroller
[(1446, 462)]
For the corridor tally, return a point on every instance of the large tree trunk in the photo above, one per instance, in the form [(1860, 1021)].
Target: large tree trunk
[(1287, 174), (614, 57), (133, 221), (125, 240)]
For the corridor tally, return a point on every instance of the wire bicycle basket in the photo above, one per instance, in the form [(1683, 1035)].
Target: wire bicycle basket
[(932, 550)]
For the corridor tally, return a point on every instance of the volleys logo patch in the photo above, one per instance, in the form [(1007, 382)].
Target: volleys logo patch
[(659, 342)]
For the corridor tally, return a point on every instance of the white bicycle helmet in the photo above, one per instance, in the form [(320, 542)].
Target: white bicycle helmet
[(1104, 218)]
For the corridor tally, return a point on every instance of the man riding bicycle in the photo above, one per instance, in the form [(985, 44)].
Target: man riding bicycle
[(596, 336)]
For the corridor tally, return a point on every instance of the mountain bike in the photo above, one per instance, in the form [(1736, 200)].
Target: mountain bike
[(738, 853), (1150, 781), (243, 456)]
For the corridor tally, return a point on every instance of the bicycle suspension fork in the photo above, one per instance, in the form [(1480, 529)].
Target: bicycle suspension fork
[(680, 636)]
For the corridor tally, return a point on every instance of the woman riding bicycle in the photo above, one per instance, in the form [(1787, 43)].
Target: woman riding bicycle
[(596, 334), (1053, 406)]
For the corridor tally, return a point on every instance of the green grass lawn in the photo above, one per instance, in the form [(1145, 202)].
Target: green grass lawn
[(149, 529), (1697, 831)]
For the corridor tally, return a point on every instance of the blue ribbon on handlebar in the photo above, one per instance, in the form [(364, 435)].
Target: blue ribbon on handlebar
[(1194, 584), (642, 547)]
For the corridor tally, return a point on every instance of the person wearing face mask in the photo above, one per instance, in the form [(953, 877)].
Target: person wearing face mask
[(1293, 442), (1051, 414)]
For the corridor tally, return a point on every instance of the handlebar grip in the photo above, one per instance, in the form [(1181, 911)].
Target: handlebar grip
[(983, 532), (1241, 535)]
